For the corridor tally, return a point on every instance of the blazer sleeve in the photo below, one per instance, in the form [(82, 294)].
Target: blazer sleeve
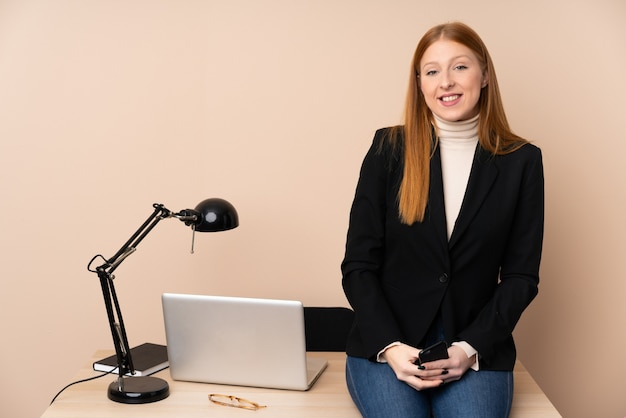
[(519, 269), (365, 250)]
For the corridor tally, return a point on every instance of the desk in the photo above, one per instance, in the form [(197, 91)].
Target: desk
[(328, 398)]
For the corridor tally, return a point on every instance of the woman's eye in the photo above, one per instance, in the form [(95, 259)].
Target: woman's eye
[(431, 72), (461, 67)]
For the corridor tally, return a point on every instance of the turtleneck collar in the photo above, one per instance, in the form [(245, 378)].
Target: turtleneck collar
[(466, 130)]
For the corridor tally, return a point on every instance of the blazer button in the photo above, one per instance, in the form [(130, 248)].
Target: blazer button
[(443, 278)]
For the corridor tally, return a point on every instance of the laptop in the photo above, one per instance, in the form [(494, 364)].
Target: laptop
[(238, 341)]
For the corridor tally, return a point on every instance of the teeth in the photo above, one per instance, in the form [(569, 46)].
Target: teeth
[(449, 98)]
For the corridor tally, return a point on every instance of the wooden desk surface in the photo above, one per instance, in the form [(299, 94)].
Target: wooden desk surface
[(328, 398)]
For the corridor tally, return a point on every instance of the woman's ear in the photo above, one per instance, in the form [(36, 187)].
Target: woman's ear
[(485, 79)]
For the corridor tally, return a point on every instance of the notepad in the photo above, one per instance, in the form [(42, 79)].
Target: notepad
[(148, 358)]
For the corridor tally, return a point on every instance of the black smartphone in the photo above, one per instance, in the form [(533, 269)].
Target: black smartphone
[(437, 351)]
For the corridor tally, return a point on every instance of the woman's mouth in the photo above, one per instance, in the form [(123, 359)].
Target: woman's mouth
[(450, 98)]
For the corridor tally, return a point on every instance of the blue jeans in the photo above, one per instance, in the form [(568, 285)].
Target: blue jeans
[(377, 393)]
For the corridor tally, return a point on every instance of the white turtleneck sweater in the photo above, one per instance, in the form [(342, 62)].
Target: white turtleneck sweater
[(457, 145)]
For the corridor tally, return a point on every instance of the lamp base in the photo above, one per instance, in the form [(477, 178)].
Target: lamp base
[(137, 390)]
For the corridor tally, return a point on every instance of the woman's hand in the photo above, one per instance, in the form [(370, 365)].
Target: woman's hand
[(401, 359), (452, 368)]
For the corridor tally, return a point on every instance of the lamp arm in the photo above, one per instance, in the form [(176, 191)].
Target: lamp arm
[(105, 274), (160, 212), (116, 324)]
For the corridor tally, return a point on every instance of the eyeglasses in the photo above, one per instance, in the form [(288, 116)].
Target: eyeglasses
[(235, 402)]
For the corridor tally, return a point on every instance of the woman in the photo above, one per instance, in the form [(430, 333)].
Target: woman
[(444, 242)]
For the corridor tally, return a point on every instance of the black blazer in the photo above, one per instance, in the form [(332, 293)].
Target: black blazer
[(398, 277)]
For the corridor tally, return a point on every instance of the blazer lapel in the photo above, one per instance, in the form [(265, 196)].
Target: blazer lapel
[(437, 212), (482, 176)]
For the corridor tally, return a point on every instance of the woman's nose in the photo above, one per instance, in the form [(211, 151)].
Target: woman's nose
[(446, 81)]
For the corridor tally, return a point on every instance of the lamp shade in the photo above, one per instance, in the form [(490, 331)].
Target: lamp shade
[(215, 215)]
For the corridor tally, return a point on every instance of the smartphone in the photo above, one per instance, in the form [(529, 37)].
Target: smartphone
[(437, 351)]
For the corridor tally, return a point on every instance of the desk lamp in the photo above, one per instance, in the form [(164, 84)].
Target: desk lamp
[(210, 215)]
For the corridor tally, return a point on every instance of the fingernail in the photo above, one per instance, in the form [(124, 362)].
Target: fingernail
[(444, 371), (421, 367)]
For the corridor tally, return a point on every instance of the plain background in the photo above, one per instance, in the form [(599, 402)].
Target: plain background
[(109, 106)]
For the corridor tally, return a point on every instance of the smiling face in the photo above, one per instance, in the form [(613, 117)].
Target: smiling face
[(451, 79)]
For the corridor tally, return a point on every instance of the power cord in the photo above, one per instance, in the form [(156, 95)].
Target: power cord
[(82, 381)]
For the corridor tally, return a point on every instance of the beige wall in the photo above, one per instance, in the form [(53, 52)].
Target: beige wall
[(109, 106)]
